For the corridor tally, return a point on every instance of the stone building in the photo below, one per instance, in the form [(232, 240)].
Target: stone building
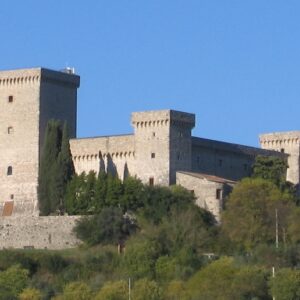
[(29, 98), (161, 150)]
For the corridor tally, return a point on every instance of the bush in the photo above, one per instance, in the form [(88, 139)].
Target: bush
[(108, 227)]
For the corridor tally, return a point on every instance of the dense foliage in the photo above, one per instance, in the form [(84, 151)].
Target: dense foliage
[(56, 169), (171, 248)]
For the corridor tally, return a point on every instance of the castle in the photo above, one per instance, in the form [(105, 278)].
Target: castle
[(160, 151)]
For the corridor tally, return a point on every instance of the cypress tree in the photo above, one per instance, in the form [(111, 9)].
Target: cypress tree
[(100, 191), (47, 171), (64, 170), (56, 168)]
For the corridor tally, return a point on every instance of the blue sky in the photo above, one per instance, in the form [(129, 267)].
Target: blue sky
[(235, 64)]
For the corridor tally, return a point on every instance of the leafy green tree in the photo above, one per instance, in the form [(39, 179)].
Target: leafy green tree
[(133, 194), (250, 282), (114, 191), (117, 290), (285, 285), (293, 229), (30, 294), (77, 291), (140, 258), (250, 215), (108, 227), (176, 290), (12, 282), (145, 289), (214, 281)]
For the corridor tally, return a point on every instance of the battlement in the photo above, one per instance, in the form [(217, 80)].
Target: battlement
[(12, 78), (157, 118), (278, 139)]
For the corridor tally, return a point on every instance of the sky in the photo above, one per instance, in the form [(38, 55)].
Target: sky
[(233, 63)]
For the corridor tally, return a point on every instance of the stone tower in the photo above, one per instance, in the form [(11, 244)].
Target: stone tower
[(29, 98), (162, 144), (285, 142)]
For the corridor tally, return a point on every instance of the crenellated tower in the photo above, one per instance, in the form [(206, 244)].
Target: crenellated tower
[(162, 144), (29, 98), (285, 142)]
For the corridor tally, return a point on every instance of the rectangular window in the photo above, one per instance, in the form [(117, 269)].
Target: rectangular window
[(282, 150), (220, 162), (10, 130), (153, 134), (10, 99), (11, 196), (152, 155), (151, 181), (219, 194)]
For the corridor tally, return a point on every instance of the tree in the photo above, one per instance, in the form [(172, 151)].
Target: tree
[(64, 169), (214, 281), (249, 218), (77, 291), (273, 169), (117, 290), (12, 282), (285, 285), (30, 294), (56, 168), (176, 290), (114, 191), (108, 227), (48, 168), (100, 191), (145, 289)]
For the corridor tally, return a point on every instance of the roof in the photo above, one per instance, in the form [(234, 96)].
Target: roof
[(208, 177)]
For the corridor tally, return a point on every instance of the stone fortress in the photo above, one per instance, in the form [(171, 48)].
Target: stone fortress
[(160, 151)]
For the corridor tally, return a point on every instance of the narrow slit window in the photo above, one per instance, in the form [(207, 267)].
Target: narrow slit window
[(10, 130), (219, 194), (9, 171), (151, 181)]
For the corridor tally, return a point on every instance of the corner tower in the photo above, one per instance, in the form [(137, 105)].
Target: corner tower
[(29, 98), (285, 142), (162, 145)]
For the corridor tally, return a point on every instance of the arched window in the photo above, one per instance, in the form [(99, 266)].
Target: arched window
[(9, 171)]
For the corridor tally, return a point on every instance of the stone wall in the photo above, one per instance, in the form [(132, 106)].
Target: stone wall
[(227, 160), (210, 191), (54, 232), (115, 154)]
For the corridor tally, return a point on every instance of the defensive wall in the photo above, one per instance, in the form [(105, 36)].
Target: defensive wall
[(53, 232)]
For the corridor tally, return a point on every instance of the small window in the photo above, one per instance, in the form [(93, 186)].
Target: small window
[(219, 194), (198, 161), (12, 197), (220, 162), (153, 134), (10, 130), (282, 150), (9, 171), (10, 99), (180, 134), (151, 181), (152, 155)]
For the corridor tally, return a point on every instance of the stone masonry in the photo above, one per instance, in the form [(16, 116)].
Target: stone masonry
[(161, 150), (29, 98)]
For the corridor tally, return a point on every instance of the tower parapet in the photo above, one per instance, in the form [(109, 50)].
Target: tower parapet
[(285, 142)]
